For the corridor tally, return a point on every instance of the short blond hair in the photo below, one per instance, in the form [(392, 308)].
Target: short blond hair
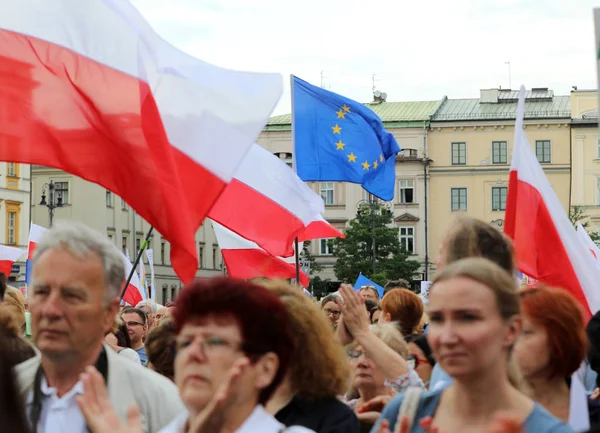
[(390, 335), (15, 300)]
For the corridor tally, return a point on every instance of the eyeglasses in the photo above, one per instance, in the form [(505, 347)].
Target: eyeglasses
[(132, 324), (355, 353), (211, 346), (414, 360), (334, 313)]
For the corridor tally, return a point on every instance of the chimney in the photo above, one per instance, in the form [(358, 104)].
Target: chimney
[(489, 96)]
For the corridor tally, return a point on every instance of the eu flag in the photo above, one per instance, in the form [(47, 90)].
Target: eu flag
[(338, 139)]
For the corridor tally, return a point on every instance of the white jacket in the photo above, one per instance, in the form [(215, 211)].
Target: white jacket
[(128, 383)]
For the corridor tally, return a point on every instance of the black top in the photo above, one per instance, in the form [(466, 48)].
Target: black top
[(323, 415)]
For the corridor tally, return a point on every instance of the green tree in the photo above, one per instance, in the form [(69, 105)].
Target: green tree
[(357, 252), (577, 215)]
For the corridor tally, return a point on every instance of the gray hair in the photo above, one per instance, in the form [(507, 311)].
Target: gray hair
[(148, 303), (81, 241)]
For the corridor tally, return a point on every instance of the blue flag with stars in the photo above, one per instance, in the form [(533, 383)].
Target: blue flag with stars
[(338, 139)]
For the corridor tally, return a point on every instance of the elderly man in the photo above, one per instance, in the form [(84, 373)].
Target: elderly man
[(74, 297), (150, 307), (369, 293)]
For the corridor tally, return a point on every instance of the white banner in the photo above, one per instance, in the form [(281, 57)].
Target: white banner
[(150, 256)]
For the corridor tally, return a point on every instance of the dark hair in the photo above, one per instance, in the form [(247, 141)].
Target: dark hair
[(372, 312), (370, 305), (10, 332), (122, 335), (260, 315), (160, 348), (170, 304), (2, 285), (12, 406), (329, 298), (421, 341), (142, 313), (395, 284)]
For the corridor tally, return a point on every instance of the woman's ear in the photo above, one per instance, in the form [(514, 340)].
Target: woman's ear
[(513, 330), (266, 370)]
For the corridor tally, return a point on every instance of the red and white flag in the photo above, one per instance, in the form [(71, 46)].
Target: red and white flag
[(245, 259), (135, 292), (269, 204), (546, 244), (588, 243), (35, 234), (9, 255), (91, 89)]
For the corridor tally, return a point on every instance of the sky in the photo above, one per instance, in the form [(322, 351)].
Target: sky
[(417, 51)]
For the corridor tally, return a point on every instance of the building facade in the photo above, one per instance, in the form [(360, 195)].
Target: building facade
[(107, 213)]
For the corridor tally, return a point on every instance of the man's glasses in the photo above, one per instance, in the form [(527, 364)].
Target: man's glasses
[(413, 360), (334, 313), (133, 324)]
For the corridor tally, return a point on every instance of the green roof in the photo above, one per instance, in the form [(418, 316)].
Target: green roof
[(418, 111)]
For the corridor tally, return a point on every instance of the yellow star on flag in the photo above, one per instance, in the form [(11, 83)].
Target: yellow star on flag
[(375, 165), (336, 129), (365, 165), (341, 114), (351, 157), (381, 157), (346, 108), (340, 145)]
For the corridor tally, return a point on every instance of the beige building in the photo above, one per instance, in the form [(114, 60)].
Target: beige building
[(409, 123), (585, 141), (104, 211), (470, 145), (14, 212)]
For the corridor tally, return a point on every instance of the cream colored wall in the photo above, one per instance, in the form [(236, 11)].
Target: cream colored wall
[(479, 175), (88, 205)]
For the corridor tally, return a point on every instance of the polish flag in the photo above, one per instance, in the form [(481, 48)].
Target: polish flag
[(245, 259), (269, 204), (588, 243), (35, 234), (546, 244), (9, 255), (91, 89), (135, 292)]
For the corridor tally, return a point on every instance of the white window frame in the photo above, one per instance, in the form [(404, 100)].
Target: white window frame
[(12, 227), (499, 208), (324, 248), (536, 153), (458, 157), (11, 169), (124, 205), (500, 152), (324, 189), (401, 188), (406, 237), (109, 198), (459, 209)]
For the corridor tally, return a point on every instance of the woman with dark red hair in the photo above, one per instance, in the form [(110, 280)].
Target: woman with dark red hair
[(234, 347), (551, 349)]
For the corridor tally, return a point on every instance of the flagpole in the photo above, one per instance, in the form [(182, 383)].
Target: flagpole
[(297, 261), (138, 257)]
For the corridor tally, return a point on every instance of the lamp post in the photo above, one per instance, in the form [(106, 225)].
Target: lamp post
[(372, 202), (54, 199)]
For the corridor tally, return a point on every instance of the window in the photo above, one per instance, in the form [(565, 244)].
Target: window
[(598, 191), (407, 239), (124, 205), (110, 238), (327, 192), (62, 190), (164, 294), (12, 228), (459, 153), (499, 198), (286, 157), (11, 169), (406, 191), (162, 252), (543, 151), (109, 199), (459, 198), (214, 257), (138, 244), (124, 244), (499, 152), (325, 247), (201, 255)]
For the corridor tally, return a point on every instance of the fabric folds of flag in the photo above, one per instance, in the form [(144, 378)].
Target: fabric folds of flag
[(91, 89), (135, 292), (9, 255), (268, 203), (35, 234), (546, 244), (245, 259), (338, 139)]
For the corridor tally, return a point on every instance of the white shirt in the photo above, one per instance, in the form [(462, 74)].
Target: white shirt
[(130, 354), (59, 415), (259, 421)]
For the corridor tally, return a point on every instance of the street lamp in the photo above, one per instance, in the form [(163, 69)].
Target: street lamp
[(54, 199), (372, 203)]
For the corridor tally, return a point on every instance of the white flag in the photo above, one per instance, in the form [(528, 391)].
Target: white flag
[(150, 256)]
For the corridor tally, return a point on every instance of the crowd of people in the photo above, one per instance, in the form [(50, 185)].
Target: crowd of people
[(480, 354)]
